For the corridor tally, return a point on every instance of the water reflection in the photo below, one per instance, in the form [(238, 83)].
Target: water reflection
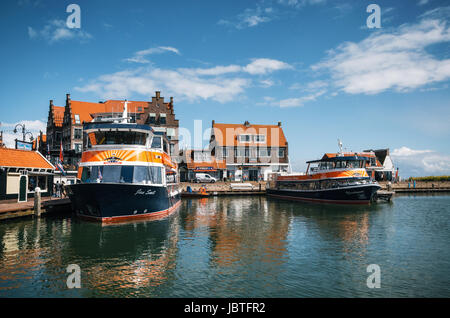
[(127, 259), (236, 247), (246, 240)]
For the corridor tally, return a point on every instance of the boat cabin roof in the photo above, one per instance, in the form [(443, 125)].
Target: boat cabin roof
[(340, 158), (105, 126)]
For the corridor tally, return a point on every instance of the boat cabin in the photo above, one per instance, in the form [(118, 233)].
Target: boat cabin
[(336, 163)]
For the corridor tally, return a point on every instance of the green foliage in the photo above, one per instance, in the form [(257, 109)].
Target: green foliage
[(431, 178)]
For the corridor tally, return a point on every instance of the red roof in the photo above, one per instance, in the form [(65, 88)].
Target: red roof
[(23, 159), (226, 134)]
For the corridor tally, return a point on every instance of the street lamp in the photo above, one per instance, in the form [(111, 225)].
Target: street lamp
[(24, 131)]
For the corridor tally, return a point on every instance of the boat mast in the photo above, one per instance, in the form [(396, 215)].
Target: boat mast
[(125, 112)]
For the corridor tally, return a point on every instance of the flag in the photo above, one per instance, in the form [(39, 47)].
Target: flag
[(60, 167), (61, 159)]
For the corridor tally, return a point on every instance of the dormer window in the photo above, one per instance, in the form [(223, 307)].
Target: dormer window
[(77, 119)]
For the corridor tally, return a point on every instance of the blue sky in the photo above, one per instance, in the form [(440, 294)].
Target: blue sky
[(314, 65)]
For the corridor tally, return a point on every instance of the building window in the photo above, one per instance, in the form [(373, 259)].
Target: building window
[(264, 152), (170, 132), (77, 119), (77, 133), (280, 152), (152, 118), (259, 138), (239, 152), (78, 147), (139, 109), (245, 138), (224, 152), (162, 119)]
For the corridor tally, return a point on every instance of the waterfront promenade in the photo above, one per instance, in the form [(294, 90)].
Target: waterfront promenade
[(420, 186)]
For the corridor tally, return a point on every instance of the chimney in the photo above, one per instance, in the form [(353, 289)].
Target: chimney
[(158, 94), (213, 122), (171, 100), (279, 124), (247, 124)]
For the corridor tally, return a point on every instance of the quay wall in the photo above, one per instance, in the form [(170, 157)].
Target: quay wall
[(222, 186)]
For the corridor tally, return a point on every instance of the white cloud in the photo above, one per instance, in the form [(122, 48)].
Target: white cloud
[(292, 102), (250, 18), (420, 162), (220, 83), (383, 61), (144, 81), (422, 2), (408, 152), (264, 66), (139, 56), (213, 71), (34, 126), (56, 30)]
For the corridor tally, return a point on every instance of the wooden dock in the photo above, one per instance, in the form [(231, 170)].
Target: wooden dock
[(12, 209)]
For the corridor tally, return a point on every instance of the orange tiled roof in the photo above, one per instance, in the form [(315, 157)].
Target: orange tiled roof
[(58, 115), (226, 135), (23, 159)]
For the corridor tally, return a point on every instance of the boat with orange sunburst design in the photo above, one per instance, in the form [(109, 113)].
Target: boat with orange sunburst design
[(126, 173), (336, 178)]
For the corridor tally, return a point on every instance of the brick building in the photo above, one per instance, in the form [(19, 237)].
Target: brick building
[(65, 123), (250, 151)]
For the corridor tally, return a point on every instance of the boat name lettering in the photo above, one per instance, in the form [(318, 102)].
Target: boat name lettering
[(142, 192)]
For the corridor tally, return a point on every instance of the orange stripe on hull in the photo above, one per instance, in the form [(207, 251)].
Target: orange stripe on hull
[(331, 174), (131, 218)]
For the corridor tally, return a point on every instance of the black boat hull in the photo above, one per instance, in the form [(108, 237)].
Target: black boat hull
[(362, 194), (121, 202)]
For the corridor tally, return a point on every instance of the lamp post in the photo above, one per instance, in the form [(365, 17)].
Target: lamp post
[(24, 131)]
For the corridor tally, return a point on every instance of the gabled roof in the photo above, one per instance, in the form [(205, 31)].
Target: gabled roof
[(58, 115), (226, 135), (23, 159)]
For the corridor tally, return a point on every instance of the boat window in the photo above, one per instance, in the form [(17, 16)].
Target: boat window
[(111, 174), (156, 142), (147, 175), (122, 174), (126, 174), (119, 137)]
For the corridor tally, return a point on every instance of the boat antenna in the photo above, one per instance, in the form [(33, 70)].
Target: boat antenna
[(340, 147)]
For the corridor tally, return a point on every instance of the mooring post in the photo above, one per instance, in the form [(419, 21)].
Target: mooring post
[(37, 201)]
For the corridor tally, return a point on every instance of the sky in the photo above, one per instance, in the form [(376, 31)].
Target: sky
[(317, 66)]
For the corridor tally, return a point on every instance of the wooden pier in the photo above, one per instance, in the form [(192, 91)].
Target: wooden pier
[(10, 209)]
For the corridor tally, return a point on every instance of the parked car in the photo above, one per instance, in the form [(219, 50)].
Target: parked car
[(204, 177)]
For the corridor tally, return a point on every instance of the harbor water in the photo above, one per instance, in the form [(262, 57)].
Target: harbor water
[(246, 246)]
